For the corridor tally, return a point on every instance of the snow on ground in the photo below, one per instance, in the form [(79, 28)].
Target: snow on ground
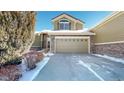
[(30, 75), (48, 54), (110, 58), (90, 69)]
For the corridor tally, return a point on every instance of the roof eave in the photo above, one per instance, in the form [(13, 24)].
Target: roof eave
[(71, 33)]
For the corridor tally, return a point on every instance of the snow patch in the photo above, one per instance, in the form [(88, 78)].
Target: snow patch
[(90, 69), (88, 57), (30, 75), (108, 72), (74, 56), (83, 30), (110, 58), (23, 66), (48, 54)]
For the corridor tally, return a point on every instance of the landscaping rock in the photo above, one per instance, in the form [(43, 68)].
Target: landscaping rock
[(31, 58), (39, 56), (10, 73), (30, 62)]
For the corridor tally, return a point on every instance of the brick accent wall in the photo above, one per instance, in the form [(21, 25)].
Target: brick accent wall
[(116, 50)]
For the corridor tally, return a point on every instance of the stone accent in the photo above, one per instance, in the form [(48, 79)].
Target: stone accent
[(92, 46), (115, 50)]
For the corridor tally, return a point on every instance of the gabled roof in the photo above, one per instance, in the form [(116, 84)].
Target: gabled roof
[(69, 16)]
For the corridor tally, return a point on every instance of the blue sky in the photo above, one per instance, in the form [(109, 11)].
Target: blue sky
[(43, 18)]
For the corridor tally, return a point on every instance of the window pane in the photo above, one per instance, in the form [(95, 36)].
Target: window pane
[(67, 26), (61, 26), (64, 24)]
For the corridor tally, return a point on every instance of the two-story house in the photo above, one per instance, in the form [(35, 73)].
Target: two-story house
[(67, 36)]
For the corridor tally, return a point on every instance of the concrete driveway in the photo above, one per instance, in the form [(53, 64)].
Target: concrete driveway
[(87, 67)]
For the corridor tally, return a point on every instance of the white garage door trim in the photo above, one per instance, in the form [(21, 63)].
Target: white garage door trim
[(65, 37)]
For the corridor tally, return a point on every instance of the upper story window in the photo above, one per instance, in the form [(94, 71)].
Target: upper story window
[(64, 24)]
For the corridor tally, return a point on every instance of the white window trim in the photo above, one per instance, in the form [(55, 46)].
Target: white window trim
[(63, 22)]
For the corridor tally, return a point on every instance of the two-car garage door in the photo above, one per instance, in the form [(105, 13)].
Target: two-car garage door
[(71, 45)]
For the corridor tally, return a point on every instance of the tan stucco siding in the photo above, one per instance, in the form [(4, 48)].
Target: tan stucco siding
[(56, 26), (52, 38), (111, 31), (72, 25), (37, 41), (79, 26)]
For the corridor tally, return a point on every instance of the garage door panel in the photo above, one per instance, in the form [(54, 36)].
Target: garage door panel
[(72, 45)]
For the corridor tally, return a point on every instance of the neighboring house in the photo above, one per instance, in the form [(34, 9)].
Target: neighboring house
[(68, 36), (109, 38)]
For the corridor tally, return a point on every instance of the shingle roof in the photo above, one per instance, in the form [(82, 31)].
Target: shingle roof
[(70, 16)]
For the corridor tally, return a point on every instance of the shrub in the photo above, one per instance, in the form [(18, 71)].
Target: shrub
[(16, 34)]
